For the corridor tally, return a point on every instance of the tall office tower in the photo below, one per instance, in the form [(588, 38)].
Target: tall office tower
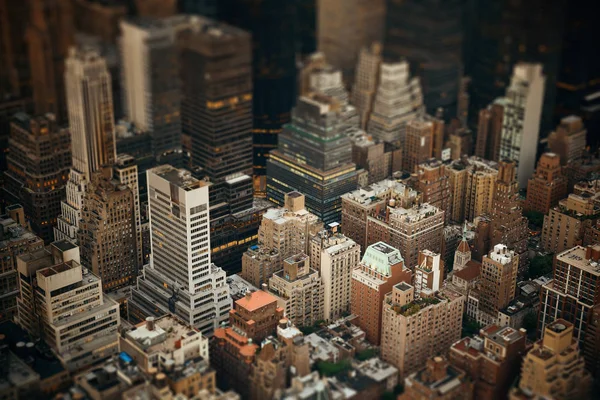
[(216, 106), (180, 278), (433, 184), (491, 359), (366, 81), (398, 100), (498, 281), (489, 130), (216, 110), (314, 157), (460, 143), (508, 225), (568, 140), (462, 112), (425, 382), (554, 367), (335, 256), (472, 181), (150, 78), (15, 239), (288, 230), (410, 230), (418, 144), (565, 224), (273, 25), (521, 120), (369, 201), (49, 35), (381, 267), (126, 172), (85, 330), (346, 27), (429, 35), (252, 319), (91, 119), (505, 33), (38, 168), (299, 290), (107, 233), (415, 329), (547, 186), (429, 273)]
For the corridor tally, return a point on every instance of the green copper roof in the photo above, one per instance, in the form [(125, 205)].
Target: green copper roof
[(381, 256)]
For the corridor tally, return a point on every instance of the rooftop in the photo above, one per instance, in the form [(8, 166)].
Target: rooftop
[(470, 272), (164, 337), (179, 177), (576, 257), (502, 335), (58, 269), (381, 257), (255, 300), (238, 286), (64, 245)]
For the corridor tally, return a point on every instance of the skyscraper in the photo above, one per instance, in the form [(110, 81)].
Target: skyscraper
[(521, 120), (365, 81), (433, 183), (273, 25), (508, 225), (397, 101), (429, 34), (38, 169), (344, 27), (181, 278), (489, 130), (91, 120), (216, 107), (547, 187), (150, 79), (49, 35), (314, 157), (107, 233)]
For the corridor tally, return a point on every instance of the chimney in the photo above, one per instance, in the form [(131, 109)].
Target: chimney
[(150, 323), (264, 287)]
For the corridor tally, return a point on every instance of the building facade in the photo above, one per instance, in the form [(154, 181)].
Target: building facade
[(365, 81), (381, 267), (547, 186), (568, 140), (498, 281), (489, 130)]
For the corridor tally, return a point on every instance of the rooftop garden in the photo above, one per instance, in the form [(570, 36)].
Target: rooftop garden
[(415, 306)]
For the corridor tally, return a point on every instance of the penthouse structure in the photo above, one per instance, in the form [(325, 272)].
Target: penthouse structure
[(490, 359), (314, 157), (429, 273), (408, 322), (84, 328), (565, 225), (299, 290), (180, 278), (335, 256), (381, 267), (359, 205), (471, 184), (410, 230)]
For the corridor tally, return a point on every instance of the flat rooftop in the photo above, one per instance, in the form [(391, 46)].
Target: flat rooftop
[(57, 269), (181, 178), (168, 326), (64, 245), (577, 258), (502, 335)]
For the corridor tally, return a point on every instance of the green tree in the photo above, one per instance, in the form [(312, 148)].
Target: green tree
[(469, 327), (327, 368), (540, 265), (535, 218)]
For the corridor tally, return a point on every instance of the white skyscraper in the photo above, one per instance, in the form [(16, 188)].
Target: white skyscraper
[(150, 77), (398, 100), (521, 123), (91, 121), (180, 278)]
